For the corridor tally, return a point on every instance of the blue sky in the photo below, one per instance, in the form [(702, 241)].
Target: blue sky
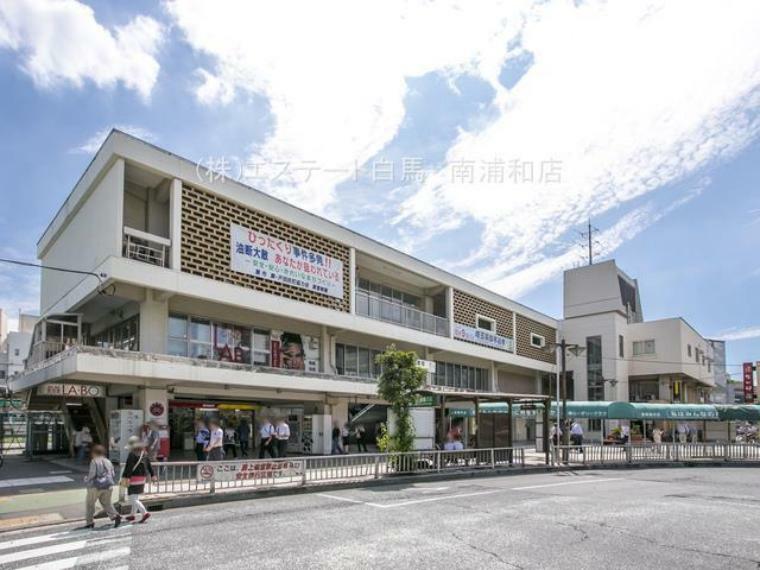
[(656, 140)]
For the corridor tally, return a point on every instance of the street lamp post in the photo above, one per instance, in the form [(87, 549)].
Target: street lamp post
[(576, 350)]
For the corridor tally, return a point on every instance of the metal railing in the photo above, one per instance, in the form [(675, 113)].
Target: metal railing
[(656, 453), (194, 477), (374, 307), (145, 247)]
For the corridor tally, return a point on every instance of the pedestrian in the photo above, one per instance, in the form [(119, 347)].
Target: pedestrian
[(135, 474), (361, 433), (152, 441), (244, 437), (657, 438), (694, 433), (683, 431), (215, 447), (336, 448), (230, 433), (576, 434), (345, 435), (555, 434), (626, 433), (83, 442), (266, 435), (100, 481), (282, 435), (458, 445), (202, 435)]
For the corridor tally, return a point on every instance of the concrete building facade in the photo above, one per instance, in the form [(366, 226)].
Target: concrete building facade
[(206, 294)]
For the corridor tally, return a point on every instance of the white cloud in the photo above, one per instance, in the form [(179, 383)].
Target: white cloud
[(629, 96), (740, 334), (335, 75), (92, 144), (60, 41)]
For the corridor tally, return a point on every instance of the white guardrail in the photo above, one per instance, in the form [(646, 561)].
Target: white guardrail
[(192, 477), (212, 476), (655, 453)]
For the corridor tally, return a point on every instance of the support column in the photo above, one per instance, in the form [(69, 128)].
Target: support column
[(352, 280), (450, 309), (154, 403), (326, 352), (175, 224), (494, 378), (442, 427), (477, 423), (154, 323)]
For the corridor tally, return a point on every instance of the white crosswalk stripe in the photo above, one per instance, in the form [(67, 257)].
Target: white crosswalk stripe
[(68, 549)]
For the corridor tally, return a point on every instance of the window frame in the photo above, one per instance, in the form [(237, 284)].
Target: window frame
[(542, 341), (479, 317)]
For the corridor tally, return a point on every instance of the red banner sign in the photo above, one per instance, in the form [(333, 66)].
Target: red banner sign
[(749, 395)]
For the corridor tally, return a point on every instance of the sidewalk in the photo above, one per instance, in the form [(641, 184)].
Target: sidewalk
[(40, 491)]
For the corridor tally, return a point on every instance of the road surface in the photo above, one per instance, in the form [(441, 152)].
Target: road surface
[(660, 518)]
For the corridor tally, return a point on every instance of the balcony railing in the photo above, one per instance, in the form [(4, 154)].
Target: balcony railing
[(403, 315), (145, 247)]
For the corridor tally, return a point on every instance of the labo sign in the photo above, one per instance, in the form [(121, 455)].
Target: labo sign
[(71, 390)]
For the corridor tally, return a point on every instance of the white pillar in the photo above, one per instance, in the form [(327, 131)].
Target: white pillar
[(154, 323), (352, 279), (175, 224), (325, 352), (450, 309)]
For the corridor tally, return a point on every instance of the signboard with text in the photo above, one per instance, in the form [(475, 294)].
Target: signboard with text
[(71, 390), (480, 336), (249, 470), (267, 257), (749, 394)]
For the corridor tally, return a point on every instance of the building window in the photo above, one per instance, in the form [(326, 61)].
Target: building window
[(621, 346), (460, 376), (2, 373), (485, 323), (356, 361), (389, 294), (709, 366), (643, 347), (594, 368), (696, 355), (122, 336), (261, 349), (16, 352), (537, 341), (688, 350), (201, 338)]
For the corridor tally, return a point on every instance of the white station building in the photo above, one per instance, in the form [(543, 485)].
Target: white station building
[(205, 296)]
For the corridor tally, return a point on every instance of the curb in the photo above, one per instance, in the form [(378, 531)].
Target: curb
[(181, 501)]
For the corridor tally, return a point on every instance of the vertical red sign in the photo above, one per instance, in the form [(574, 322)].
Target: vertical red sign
[(749, 395)]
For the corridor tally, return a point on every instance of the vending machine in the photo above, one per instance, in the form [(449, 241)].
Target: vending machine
[(122, 425)]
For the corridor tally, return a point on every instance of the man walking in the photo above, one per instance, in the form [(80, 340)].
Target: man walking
[(266, 435), (215, 448), (576, 434), (202, 437), (244, 437), (282, 435)]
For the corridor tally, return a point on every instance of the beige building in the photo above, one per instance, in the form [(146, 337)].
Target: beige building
[(207, 296)]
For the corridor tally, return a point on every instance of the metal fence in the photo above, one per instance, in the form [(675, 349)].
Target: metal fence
[(194, 477), (655, 453)]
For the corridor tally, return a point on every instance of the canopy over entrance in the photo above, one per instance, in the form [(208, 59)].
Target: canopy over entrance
[(748, 413)]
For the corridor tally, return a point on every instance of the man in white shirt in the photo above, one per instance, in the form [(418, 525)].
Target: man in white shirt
[(576, 433), (266, 435), (282, 435), (683, 431), (215, 447)]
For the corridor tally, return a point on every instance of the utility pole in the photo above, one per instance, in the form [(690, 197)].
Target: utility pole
[(590, 242)]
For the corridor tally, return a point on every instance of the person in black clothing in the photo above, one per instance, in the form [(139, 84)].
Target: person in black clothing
[(336, 448), (135, 474)]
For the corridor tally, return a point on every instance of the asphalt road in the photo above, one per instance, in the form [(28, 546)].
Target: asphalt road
[(660, 518)]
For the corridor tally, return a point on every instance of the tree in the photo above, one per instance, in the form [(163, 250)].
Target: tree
[(399, 382)]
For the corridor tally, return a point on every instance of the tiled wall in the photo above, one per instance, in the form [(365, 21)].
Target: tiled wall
[(206, 220), (466, 307), (525, 327)]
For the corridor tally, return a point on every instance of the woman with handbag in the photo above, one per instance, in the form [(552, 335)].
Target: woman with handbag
[(100, 482), (135, 475)]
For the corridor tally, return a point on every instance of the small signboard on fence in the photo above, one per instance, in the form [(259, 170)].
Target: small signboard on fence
[(249, 470)]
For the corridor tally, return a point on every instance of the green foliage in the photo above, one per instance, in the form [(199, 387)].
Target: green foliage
[(384, 443), (398, 385)]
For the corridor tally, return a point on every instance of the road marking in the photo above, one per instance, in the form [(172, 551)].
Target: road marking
[(68, 534), (61, 472), (53, 549), (35, 481), (80, 560), (407, 503), (566, 483)]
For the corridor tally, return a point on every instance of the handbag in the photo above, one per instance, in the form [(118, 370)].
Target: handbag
[(103, 481)]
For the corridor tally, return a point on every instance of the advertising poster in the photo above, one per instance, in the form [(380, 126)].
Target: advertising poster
[(295, 351)]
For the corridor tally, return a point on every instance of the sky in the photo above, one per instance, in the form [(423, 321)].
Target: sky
[(478, 137)]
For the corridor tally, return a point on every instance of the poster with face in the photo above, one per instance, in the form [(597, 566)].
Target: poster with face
[(295, 351)]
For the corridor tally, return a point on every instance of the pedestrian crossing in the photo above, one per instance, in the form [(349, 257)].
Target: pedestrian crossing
[(106, 549)]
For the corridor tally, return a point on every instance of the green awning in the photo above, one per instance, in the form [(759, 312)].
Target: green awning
[(748, 413), (586, 410), (621, 411), (637, 411)]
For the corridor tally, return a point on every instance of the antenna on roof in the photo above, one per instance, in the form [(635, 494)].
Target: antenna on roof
[(589, 241)]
